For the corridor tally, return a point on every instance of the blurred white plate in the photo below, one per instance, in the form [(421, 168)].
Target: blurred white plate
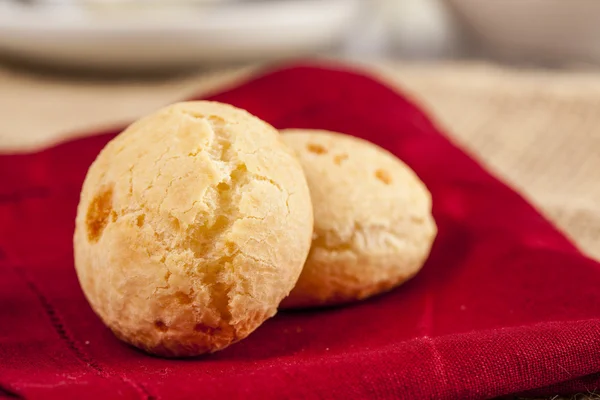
[(165, 35)]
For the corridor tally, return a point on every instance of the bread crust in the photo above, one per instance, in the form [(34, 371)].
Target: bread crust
[(193, 224), (373, 223)]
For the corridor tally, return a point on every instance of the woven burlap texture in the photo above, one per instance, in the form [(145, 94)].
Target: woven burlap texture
[(538, 130)]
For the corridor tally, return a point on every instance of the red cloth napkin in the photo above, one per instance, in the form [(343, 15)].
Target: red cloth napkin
[(505, 304)]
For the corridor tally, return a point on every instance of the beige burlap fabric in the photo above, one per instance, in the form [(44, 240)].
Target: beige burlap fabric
[(539, 131)]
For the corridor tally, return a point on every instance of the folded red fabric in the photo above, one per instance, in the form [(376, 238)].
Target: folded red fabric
[(505, 304)]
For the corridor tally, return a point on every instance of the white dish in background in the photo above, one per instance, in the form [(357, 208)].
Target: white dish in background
[(167, 35), (554, 31)]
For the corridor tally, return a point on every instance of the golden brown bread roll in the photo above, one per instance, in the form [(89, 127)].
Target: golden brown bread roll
[(193, 225), (373, 224)]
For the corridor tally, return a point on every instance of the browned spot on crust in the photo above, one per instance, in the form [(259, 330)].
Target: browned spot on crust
[(113, 216), (98, 214), (216, 119), (383, 176), (161, 326), (316, 148), (340, 158), (175, 223), (209, 330), (183, 298), (418, 220), (140, 220)]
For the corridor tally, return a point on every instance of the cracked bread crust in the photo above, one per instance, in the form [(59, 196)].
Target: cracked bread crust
[(373, 226), (193, 224)]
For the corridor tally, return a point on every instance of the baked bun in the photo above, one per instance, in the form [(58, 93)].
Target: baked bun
[(193, 224), (373, 224)]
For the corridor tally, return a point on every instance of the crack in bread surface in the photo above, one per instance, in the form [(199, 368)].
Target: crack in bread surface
[(207, 239), (208, 242)]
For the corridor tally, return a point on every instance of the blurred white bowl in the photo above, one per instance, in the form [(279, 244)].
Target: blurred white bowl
[(555, 31), (76, 34)]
